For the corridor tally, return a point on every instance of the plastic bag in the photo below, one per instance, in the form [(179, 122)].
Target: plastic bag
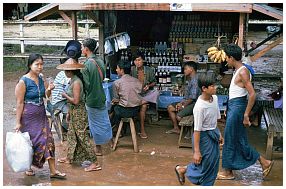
[(19, 151)]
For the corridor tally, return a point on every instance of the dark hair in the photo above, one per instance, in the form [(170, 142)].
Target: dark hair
[(90, 44), (80, 76), (205, 80), (125, 65), (137, 55), (32, 58), (191, 64), (63, 60), (233, 50)]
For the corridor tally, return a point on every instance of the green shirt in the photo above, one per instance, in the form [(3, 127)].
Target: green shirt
[(149, 76), (95, 96)]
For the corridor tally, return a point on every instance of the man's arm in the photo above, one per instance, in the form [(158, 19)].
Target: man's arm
[(245, 79)]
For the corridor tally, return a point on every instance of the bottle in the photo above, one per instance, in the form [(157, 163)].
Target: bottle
[(164, 77), (169, 77), (160, 77)]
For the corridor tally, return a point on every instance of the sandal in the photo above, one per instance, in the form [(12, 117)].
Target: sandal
[(180, 179), (267, 170), (64, 160), (223, 177), (30, 172), (173, 131), (143, 136), (58, 175), (92, 168)]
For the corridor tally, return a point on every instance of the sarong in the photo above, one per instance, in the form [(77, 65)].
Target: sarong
[(205, 173), (79, 147), (237, 154), (99, 125), (35, 122)]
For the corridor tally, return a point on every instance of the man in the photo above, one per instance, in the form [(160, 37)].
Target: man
[(179, 110), (237, 154), (93, 75), (125, 93), (146, 76)]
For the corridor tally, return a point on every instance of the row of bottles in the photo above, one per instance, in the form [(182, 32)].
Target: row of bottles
[(126, 54), (185, 30), (163, 76)]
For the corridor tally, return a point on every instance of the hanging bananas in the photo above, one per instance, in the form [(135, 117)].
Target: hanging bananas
[(217, 55)]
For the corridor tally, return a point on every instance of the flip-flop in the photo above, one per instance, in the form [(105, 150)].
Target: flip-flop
[(180, 179), (63, 160), (96, 168), (172, 132), (143, 137), (30, 173), (267, 170), (58, 175), (223, 177)]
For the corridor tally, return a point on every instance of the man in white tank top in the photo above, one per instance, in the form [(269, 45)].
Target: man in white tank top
[(237, 154)]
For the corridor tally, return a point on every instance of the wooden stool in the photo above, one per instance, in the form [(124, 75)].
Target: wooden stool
[(186, 122), (133, 132)]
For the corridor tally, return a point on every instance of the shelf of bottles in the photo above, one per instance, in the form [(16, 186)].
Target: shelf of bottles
[(186, 27), (164, 58)]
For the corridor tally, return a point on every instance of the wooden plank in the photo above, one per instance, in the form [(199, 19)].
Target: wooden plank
[(65, 17), (270, 11), (42, 11), (115, 6), (45, 22), (206, 7), (222, 7), (266, 49), (74, 25), (241, 30)]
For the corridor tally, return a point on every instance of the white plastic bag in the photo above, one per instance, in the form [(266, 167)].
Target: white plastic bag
[(19, 151)]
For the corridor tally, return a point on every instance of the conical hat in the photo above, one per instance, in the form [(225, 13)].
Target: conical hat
[(70, 64)]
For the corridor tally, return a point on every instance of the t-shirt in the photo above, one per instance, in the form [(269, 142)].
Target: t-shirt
[(206, 114)]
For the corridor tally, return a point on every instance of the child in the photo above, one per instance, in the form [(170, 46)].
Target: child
[(206, 138)]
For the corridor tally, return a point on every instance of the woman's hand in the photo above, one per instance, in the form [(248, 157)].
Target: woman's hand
[(197, 158), (221, 141), (17, 127), (64, 95)]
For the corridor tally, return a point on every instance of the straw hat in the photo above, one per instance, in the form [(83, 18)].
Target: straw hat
[(70, 64)]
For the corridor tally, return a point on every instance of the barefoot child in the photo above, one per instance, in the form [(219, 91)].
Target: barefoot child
[(206, 138)]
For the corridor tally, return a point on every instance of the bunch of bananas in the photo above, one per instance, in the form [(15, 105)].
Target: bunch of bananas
[(216, 55)]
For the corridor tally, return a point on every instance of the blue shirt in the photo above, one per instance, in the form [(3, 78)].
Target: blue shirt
[(34, 93), (192, 89)]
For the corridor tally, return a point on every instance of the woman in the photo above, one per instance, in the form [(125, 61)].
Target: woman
[(31, 115), (79, 147)]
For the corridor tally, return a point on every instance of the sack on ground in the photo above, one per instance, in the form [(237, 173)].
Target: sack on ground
[(19, 151)]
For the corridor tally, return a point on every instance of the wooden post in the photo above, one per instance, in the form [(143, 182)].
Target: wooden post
[(22, 40), (74, 25), (101, 35), (241, 29), (87, 35)]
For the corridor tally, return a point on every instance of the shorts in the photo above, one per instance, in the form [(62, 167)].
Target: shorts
[(186, 111)]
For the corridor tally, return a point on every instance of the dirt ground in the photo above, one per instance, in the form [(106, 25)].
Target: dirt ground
[(123, 166)]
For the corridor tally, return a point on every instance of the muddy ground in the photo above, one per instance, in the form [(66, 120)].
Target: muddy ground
[(124, 167)]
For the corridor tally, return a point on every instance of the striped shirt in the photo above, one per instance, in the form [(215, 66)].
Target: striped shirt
[(61, 84)]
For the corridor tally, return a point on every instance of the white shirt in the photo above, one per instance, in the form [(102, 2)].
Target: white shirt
[(206, 114)]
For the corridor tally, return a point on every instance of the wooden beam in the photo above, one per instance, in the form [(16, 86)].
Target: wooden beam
[(266, 49), (222, 7), (270, 11), (91, 15), (241, 29), (74, 25), (43, 11), (65, 17), (115, 6)]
